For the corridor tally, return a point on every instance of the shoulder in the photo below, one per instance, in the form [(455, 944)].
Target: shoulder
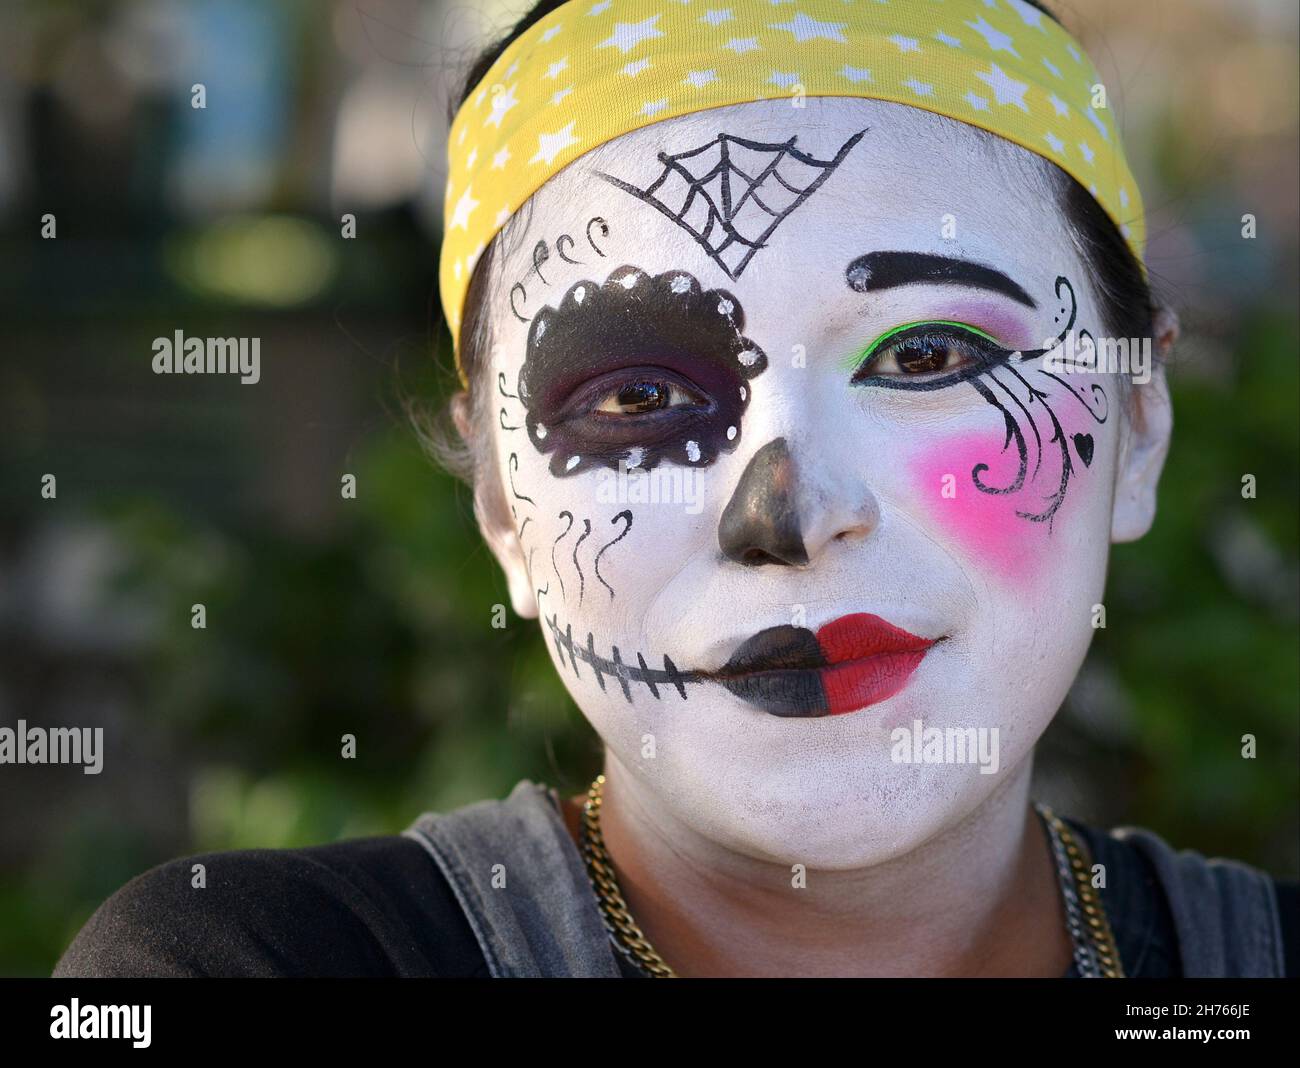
[(1210, 916), (367, 906)]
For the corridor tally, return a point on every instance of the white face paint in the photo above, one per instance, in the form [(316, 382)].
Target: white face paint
[(767, 482)]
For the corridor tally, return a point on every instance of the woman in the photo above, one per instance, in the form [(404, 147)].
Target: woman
[(795, 414)]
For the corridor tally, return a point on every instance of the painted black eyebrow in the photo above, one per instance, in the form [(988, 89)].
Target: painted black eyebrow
[(885, 270)]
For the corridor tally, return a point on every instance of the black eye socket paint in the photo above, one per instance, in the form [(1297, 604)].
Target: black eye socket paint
[(634, 328)]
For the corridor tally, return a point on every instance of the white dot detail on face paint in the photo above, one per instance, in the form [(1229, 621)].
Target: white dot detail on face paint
[(572, 462), (627, 281), (635, 456), (541, 328), (748, 357), (579, 293), (731, 433), (743, 393), (541, 432), (680, 284), (725, 307), (693, 451)]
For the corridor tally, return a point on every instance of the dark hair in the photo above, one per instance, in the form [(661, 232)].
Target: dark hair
[(1127, 307)]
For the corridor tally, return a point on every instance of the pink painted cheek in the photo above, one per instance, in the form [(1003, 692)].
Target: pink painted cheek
[(984, 525)]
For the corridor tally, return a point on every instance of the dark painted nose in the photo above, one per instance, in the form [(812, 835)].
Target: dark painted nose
[(760, 524)]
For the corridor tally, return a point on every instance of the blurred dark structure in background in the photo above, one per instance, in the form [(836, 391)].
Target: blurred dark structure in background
[(371, 616)]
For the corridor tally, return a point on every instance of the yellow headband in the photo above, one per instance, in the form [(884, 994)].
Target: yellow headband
[(593, 70)]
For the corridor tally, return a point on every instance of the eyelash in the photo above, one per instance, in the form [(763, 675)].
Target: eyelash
[(596, 394), (980, 350)]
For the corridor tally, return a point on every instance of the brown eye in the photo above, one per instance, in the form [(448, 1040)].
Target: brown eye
[(643, 395), (924, 355)]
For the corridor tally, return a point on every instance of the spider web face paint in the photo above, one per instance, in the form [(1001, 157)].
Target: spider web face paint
[(732, 193), (635, 329)]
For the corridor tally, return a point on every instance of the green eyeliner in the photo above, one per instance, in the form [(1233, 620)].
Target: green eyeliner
[(855, 360)]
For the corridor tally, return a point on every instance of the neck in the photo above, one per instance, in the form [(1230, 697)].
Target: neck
[(978, 899)]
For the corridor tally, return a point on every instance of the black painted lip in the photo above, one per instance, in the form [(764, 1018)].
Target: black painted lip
[(777, 670), (782, 648)]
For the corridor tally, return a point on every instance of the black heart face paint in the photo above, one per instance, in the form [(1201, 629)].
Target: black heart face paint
[(637, 370)]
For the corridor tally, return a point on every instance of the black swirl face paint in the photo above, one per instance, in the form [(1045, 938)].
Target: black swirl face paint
[(637, 336), (999, 375), (597, 229)]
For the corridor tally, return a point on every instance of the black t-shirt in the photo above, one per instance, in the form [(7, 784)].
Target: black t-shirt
[(381, 907)]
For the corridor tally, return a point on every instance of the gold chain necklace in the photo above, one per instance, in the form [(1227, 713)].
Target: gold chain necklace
[(1095, 951)]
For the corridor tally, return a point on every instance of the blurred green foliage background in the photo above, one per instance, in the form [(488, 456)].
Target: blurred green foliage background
[(328, 616)]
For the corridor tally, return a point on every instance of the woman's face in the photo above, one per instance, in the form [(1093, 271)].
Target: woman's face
[(785, 468)]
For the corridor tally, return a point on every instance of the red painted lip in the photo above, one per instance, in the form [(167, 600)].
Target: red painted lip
[(869, 660), (848, 664)]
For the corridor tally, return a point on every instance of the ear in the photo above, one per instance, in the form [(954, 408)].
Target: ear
[(1145, 440), (495, 522)]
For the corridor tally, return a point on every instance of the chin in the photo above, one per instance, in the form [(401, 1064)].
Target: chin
[(825, 807)]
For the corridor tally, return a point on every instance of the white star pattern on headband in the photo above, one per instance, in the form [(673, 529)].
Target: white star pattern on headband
[(701, 78), (948, 39), (1058, 105), (599, 7), (550, 33), (636, 67), (906, 44), (1058, 146), (501, 158), (550, 145), (996, 39), (856, 74), (741, 45), (1029, 14), (1006, 90), (1086, 150), (464, 208), (627, 35), (554, 69), (806, 29), (713, 18), (784, 80), (976, 101), (919, 88), (1095, 119), (501, 103), (650, 107)]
